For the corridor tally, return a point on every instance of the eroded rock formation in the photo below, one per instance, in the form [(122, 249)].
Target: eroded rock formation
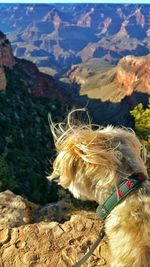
[(133, 73), (6, 59), (113, 83)]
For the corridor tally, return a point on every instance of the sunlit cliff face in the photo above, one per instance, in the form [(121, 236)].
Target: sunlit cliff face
[(133, 73), (6, 59)]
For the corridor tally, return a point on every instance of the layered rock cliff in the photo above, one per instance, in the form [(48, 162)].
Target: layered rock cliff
[(6, 56), (6, 59), (133, 73), (100, 80)]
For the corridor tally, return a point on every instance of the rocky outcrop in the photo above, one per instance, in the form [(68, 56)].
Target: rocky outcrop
[(133, 73), (6, 56), (14, 210), (50, 243), (3, 82), (6, 59)]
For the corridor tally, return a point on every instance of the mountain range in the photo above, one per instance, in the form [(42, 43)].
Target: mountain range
[(57, 36)]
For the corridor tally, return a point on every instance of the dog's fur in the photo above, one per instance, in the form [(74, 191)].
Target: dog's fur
[(88, 163)]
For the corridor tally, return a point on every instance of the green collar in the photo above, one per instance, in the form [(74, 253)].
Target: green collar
[(119, 193)]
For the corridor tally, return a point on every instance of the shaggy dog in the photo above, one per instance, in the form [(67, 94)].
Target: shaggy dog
[(89, 162)]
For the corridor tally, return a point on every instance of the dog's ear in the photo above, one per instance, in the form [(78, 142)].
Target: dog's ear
[(130, 148), (127, 142)]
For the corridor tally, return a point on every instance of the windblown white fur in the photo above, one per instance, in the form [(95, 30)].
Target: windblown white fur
[(88, 163)]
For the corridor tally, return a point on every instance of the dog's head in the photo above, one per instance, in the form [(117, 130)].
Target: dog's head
[(89, 160)]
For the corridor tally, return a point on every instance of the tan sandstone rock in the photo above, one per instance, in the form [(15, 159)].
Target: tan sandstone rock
[(46, 243), (52, 244), (3, 81)]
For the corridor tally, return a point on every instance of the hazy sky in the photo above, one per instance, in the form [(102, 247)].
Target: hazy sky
[(77, 1)]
